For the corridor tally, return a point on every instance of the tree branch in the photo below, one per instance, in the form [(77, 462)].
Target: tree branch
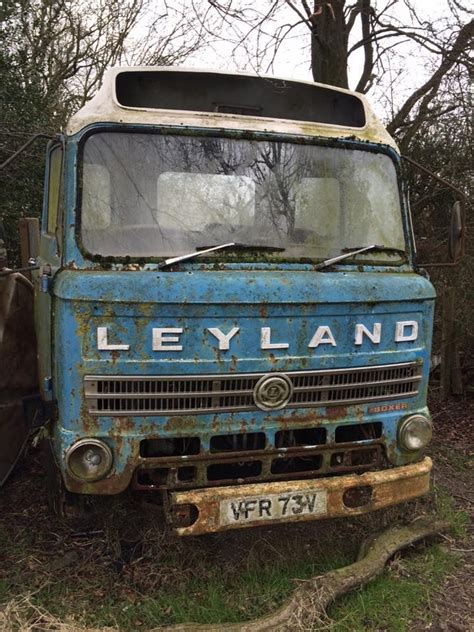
[(365, 16), (462, 43)]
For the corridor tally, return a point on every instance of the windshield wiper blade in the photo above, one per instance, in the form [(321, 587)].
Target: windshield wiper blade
[(382, 249), (240, 246), (357, 251), (191, 255), (233, 245)]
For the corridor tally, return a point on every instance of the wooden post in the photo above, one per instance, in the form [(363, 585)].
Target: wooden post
[(456, 374), (447, 343), (29, 240)]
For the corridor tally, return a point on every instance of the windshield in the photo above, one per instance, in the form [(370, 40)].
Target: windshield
[(157, 195)]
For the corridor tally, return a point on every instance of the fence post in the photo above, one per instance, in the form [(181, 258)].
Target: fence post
[(447, 342)]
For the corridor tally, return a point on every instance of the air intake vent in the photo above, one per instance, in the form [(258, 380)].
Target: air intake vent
[(215, 92)]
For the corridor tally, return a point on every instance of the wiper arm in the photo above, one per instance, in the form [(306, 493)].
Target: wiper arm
[(233, 245), (346, 255)]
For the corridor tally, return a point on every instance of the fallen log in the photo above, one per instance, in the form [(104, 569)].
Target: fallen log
[(308, 603)]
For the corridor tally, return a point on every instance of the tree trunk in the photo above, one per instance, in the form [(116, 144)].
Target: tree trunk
[(329, 44)]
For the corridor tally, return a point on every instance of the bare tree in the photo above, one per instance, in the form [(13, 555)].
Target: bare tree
[(53, 54), (338, 31), (64, 47)]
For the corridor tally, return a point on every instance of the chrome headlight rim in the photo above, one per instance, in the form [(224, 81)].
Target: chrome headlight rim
[(98, 443), (404, 432)]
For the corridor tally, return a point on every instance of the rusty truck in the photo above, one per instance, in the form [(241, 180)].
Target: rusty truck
[(229, 311)]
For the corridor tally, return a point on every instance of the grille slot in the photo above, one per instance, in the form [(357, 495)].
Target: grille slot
[(162, 395), (310, 461), (297, 453)]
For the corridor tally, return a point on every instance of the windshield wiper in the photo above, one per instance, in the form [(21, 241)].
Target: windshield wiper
[(239, 246), (191, 255), (233, 245), (346, 255)]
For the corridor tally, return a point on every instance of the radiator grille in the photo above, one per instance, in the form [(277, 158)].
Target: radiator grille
[(163, 395)]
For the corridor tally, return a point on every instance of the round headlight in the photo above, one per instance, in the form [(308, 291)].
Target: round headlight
[(89, 460), (414, 433)]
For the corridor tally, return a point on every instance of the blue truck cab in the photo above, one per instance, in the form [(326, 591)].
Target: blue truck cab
[(228, 310)]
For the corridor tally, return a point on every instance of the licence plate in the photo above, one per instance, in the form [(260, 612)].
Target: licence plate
[(283, 506)]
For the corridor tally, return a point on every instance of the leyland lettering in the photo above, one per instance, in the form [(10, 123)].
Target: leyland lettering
[(166, 338), (228, 307)]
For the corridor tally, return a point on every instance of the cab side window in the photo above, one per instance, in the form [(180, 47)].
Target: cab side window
[(54, 189)]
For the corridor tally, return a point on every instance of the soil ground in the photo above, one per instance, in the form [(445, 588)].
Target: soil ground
[(453, 454), (119, 570)]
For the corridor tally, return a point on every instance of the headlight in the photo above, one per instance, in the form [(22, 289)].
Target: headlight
[(89, 460), (414, 433)]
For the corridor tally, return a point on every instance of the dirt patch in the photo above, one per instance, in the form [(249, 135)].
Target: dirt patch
[(453, 454)]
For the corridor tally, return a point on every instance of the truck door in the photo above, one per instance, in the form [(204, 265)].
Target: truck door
[(49, 260)]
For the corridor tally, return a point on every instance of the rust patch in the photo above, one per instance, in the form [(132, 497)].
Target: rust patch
[(124, 423), (311, 417), (272, 358), (336, 412), (115, 355), (89, 424), (243, 426), (180, 424)]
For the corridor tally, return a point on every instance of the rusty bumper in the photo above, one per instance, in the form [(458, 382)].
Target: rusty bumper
[(340, 496)]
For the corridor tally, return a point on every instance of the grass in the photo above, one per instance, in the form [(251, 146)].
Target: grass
[(400, 596), (203, 596), (214, 598), (446, 509)]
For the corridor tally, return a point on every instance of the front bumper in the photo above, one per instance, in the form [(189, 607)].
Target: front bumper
[(377, 490)]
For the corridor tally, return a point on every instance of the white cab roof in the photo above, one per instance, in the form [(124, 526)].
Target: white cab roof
[(104, 107)]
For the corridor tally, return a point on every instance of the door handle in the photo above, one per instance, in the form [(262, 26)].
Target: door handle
[(45, 274)]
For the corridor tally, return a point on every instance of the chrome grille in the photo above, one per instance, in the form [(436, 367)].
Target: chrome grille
[(163, 395)]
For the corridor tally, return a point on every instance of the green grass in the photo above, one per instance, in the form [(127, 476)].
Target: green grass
[(446, 510), (400, 596), (216, 599), (460, 462), (391, 602)]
